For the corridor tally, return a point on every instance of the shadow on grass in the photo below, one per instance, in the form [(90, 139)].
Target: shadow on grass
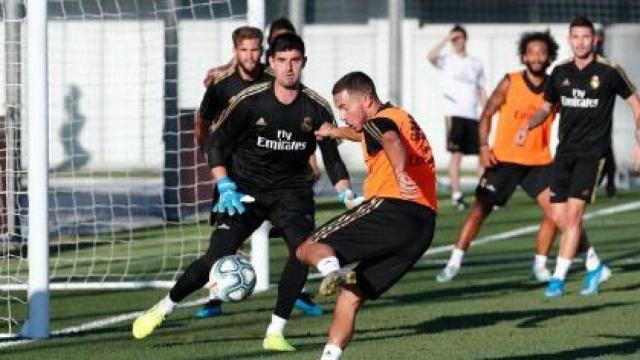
[(457, 293), (629, 347), (529, 319)]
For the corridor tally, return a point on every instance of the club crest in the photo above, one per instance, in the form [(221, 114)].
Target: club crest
[(594, 82), (261, 122)]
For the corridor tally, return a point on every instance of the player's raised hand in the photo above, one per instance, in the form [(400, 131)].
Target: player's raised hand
[(487, 158), (230, 200), (408, 188), (325, 131), (521, 136)]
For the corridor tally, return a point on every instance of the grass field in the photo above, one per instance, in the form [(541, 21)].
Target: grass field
[(492, 310)]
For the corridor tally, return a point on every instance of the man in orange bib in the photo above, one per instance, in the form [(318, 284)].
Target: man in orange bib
[(393, 227), (516, 97)]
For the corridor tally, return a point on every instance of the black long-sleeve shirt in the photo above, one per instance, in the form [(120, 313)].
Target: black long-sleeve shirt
[(219, 94), (271, 142)]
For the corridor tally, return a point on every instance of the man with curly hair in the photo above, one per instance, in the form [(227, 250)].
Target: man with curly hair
[(584, 89), (516, 97)]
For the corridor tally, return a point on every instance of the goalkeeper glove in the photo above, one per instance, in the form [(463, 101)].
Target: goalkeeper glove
[(230, 199), (347, 197)]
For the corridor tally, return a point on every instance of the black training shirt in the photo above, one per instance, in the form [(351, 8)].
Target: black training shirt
[(586, 98), (271, 142), (226, 86)]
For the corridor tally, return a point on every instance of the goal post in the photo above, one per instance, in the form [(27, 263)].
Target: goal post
[(37, 322), (90, 128)]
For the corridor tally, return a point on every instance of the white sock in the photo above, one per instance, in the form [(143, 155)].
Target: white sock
[(331, 352), (167, 305), (456, 258), (277, 325), (456, 195), (540, 261), (562, 268), (591, 259), (328, 265)]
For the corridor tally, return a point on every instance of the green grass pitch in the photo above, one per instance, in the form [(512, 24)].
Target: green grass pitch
[(492, 310)]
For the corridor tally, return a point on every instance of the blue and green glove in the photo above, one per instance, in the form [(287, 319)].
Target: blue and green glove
[(350, 200), (230, 200)]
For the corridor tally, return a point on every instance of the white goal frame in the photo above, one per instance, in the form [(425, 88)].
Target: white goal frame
[(38, 286)]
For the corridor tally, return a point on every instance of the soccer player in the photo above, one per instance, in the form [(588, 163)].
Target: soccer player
[(464, 93), (585, 88), (279, 26), (270, 127), (391, 230), (506, 165), (247, 71)]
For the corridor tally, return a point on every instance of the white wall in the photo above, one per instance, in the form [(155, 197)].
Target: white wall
[(622, 44), (118, 67)]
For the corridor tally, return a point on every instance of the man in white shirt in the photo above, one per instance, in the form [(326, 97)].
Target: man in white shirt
[(464, 96)]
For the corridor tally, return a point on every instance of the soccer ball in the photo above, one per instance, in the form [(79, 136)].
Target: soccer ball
[(232, 278)]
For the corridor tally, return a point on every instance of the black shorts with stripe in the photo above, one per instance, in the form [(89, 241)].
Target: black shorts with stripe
[(462, 135), (499, 182), (386, 236), (575, 176)]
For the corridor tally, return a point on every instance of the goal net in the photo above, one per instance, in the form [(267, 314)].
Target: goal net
[(128, 192)]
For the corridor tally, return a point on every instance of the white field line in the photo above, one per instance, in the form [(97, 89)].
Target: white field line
[(525, 230), (96, 324)]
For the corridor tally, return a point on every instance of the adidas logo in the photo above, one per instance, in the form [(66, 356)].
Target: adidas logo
[(223, 226), (566, 82), (261, 122)]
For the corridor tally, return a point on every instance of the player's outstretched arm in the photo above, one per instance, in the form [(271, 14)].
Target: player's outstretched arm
[(495, 101), (328, 130), (535, 121)]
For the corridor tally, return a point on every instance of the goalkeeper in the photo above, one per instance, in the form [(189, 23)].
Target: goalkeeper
[(246, 70), (270, 127)]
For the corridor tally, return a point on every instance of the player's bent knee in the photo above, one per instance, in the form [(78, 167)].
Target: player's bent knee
[(351, 296), (303, 250), (482, 208)]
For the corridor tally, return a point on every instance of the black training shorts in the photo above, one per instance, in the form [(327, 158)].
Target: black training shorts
[(575, 176), (387, 236), (462, 135), (499, 182)]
